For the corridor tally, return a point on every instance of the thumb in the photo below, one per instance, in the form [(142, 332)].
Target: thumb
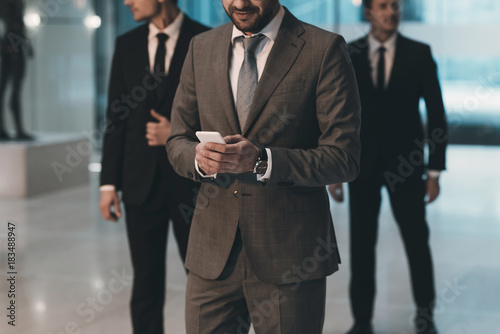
[(157, 115), (233, 139), (117, 206)]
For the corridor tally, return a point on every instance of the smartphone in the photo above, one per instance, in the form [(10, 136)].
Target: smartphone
[(210, 137)]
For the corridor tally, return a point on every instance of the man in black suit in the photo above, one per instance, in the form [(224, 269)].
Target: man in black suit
[(393, 73), (144, 78)]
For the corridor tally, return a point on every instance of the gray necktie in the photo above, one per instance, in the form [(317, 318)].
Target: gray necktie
[(248, 78)]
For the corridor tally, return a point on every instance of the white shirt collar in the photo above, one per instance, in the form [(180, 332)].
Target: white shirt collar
[(172, 30), (390, 44), (270, 30)]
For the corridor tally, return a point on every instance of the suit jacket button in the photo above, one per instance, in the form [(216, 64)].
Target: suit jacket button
[(235, 193)]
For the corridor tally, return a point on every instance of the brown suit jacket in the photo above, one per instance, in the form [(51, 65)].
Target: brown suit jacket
[(306, 109)]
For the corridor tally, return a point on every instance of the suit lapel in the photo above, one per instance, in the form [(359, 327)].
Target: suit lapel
[(398, 62), (142, 46), (140, 61), (365, 65), (285, 51), (222, 50), (138, 56), (181, 48)]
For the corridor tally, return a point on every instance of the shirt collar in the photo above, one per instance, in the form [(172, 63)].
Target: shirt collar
[(173, 29), (390, 44), (270, 30)]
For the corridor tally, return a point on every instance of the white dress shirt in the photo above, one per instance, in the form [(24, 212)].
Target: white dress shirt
[(261, 54), (173, 31), (390, 53)]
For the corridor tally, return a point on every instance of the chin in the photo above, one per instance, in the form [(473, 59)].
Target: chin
[(139, 18), (392, 28), (245, 26)]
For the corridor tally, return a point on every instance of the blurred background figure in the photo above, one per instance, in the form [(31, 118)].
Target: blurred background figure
[(14, 48), (134, 159), (393, 73)]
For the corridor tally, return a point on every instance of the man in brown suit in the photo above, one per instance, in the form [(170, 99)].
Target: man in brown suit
[(284, 95)]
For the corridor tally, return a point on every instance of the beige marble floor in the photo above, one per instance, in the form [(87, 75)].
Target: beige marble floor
[(74, 270)]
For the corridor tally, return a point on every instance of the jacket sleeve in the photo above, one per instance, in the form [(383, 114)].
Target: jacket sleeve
[(116, 115), (185, 121), (338, 110), (437, 128)]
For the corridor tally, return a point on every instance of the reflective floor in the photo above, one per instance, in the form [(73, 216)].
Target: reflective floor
[(74, 269)]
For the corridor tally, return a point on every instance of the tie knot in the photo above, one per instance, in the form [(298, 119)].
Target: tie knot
[(382, 50), (162, 38), (250, 44)]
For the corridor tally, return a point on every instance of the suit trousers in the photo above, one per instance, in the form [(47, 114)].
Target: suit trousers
[(147, 230), (229, 304), (408, 206)]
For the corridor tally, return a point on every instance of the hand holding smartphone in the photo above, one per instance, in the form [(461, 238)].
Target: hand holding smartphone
[(210, 137)]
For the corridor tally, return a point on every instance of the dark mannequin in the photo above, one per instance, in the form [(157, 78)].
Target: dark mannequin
[(13, 63)]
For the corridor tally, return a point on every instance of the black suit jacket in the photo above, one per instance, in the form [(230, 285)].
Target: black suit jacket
[(128, 162), (392, 129)]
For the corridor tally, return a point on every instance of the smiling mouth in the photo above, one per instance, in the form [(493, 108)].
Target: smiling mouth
[(243, 14)]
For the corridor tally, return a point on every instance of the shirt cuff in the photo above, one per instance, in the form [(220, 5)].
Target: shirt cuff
[(265, 177), (107, 187), (434, 174), (214, 176)]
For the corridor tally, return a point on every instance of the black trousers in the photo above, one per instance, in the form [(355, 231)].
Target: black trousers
[(408, 207), (147, 229)]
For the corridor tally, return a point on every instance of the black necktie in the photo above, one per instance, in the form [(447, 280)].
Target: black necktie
[(161, 53), (381, 69)]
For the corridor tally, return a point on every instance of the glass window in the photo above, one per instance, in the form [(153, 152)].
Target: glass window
[(461, 11), (470, 76), (208, 12)]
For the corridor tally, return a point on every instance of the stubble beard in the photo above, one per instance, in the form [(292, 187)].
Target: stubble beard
[(254, 24)]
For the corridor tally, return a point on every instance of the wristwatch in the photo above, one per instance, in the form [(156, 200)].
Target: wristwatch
[(260, 166)]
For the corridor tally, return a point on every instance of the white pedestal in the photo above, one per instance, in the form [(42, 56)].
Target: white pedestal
[(51, 162)]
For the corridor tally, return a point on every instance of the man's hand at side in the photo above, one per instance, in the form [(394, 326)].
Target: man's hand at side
[(157, 133), (237, 156), (110, 200), (432, 189)]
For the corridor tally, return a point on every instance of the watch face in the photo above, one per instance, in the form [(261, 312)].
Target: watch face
[(261, 167)]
